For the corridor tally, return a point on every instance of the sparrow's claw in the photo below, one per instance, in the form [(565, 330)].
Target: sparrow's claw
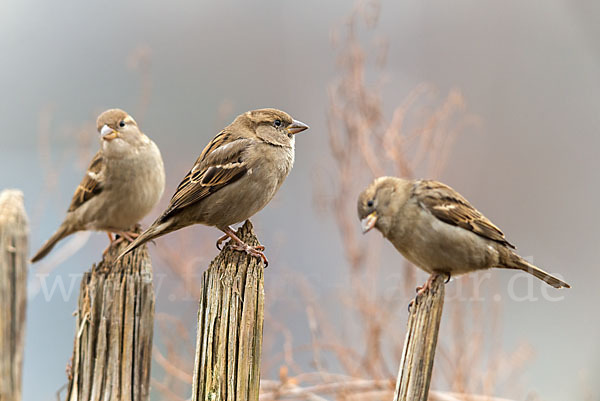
[(422, 290), (426, 287), (415, 301), (411, 303), (128, 235), (255, 251), (112, 241), (123, 235), (220, 241), (239, 245)]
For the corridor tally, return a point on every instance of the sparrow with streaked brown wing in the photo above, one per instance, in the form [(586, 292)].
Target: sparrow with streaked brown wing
[(236, 175), (124, 181), (438, 230)]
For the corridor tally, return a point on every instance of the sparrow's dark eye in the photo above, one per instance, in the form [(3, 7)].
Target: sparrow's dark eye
[(370, 203), (122, 124), (277, 123)]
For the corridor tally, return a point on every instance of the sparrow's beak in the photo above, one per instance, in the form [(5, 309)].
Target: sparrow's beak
[(368, 222), (107, 133), (296, 126)]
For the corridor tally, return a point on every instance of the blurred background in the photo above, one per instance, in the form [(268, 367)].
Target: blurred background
[(497, 99)]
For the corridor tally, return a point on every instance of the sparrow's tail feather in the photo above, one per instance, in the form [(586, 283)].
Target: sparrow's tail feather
[(61, 233), (154, 231), (516, 262)]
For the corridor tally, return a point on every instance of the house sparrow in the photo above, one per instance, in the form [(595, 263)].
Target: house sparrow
[(124, 181), (437, 229), (236, 175)]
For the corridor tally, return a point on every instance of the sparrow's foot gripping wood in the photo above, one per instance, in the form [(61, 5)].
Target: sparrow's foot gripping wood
[(427, 286), (421, 291), (239, 245), (220, 241), (129, 236), (226, 236)]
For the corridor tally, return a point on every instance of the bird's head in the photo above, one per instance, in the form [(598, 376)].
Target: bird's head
[(271, 125), (379, 203), (118, 129)]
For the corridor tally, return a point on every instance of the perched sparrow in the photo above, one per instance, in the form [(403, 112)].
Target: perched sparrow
[(236, 175), (437, 229), (123, 182)]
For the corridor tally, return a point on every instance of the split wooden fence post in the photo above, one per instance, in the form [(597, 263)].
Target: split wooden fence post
[(115, 322), (14, 232), (230, 326), (418, 353)]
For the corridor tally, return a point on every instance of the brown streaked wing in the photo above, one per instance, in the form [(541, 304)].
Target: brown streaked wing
[(450, 207), (222, 138), (89, 186), (221, 163)]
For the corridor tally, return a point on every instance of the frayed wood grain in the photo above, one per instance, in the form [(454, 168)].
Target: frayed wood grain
[(230, 326), (112, 350)]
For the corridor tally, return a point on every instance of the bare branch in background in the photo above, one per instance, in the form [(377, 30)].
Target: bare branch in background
[(416, 140), (354, 346)]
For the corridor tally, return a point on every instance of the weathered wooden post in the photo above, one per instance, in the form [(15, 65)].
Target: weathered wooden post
[(416, 364), (115, 321), (14, 232), (230, 325)]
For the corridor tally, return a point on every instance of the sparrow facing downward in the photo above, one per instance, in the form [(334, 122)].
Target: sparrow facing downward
[(236, 175), (438, 230), (124, 181)]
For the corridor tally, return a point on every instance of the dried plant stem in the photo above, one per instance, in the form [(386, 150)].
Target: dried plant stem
[(14, 232), (230, 326), (115, 320), (416, 364)]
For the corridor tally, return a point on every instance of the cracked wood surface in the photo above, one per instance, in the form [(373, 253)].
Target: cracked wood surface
[(230, 326), (416, 365), (112, 349)]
